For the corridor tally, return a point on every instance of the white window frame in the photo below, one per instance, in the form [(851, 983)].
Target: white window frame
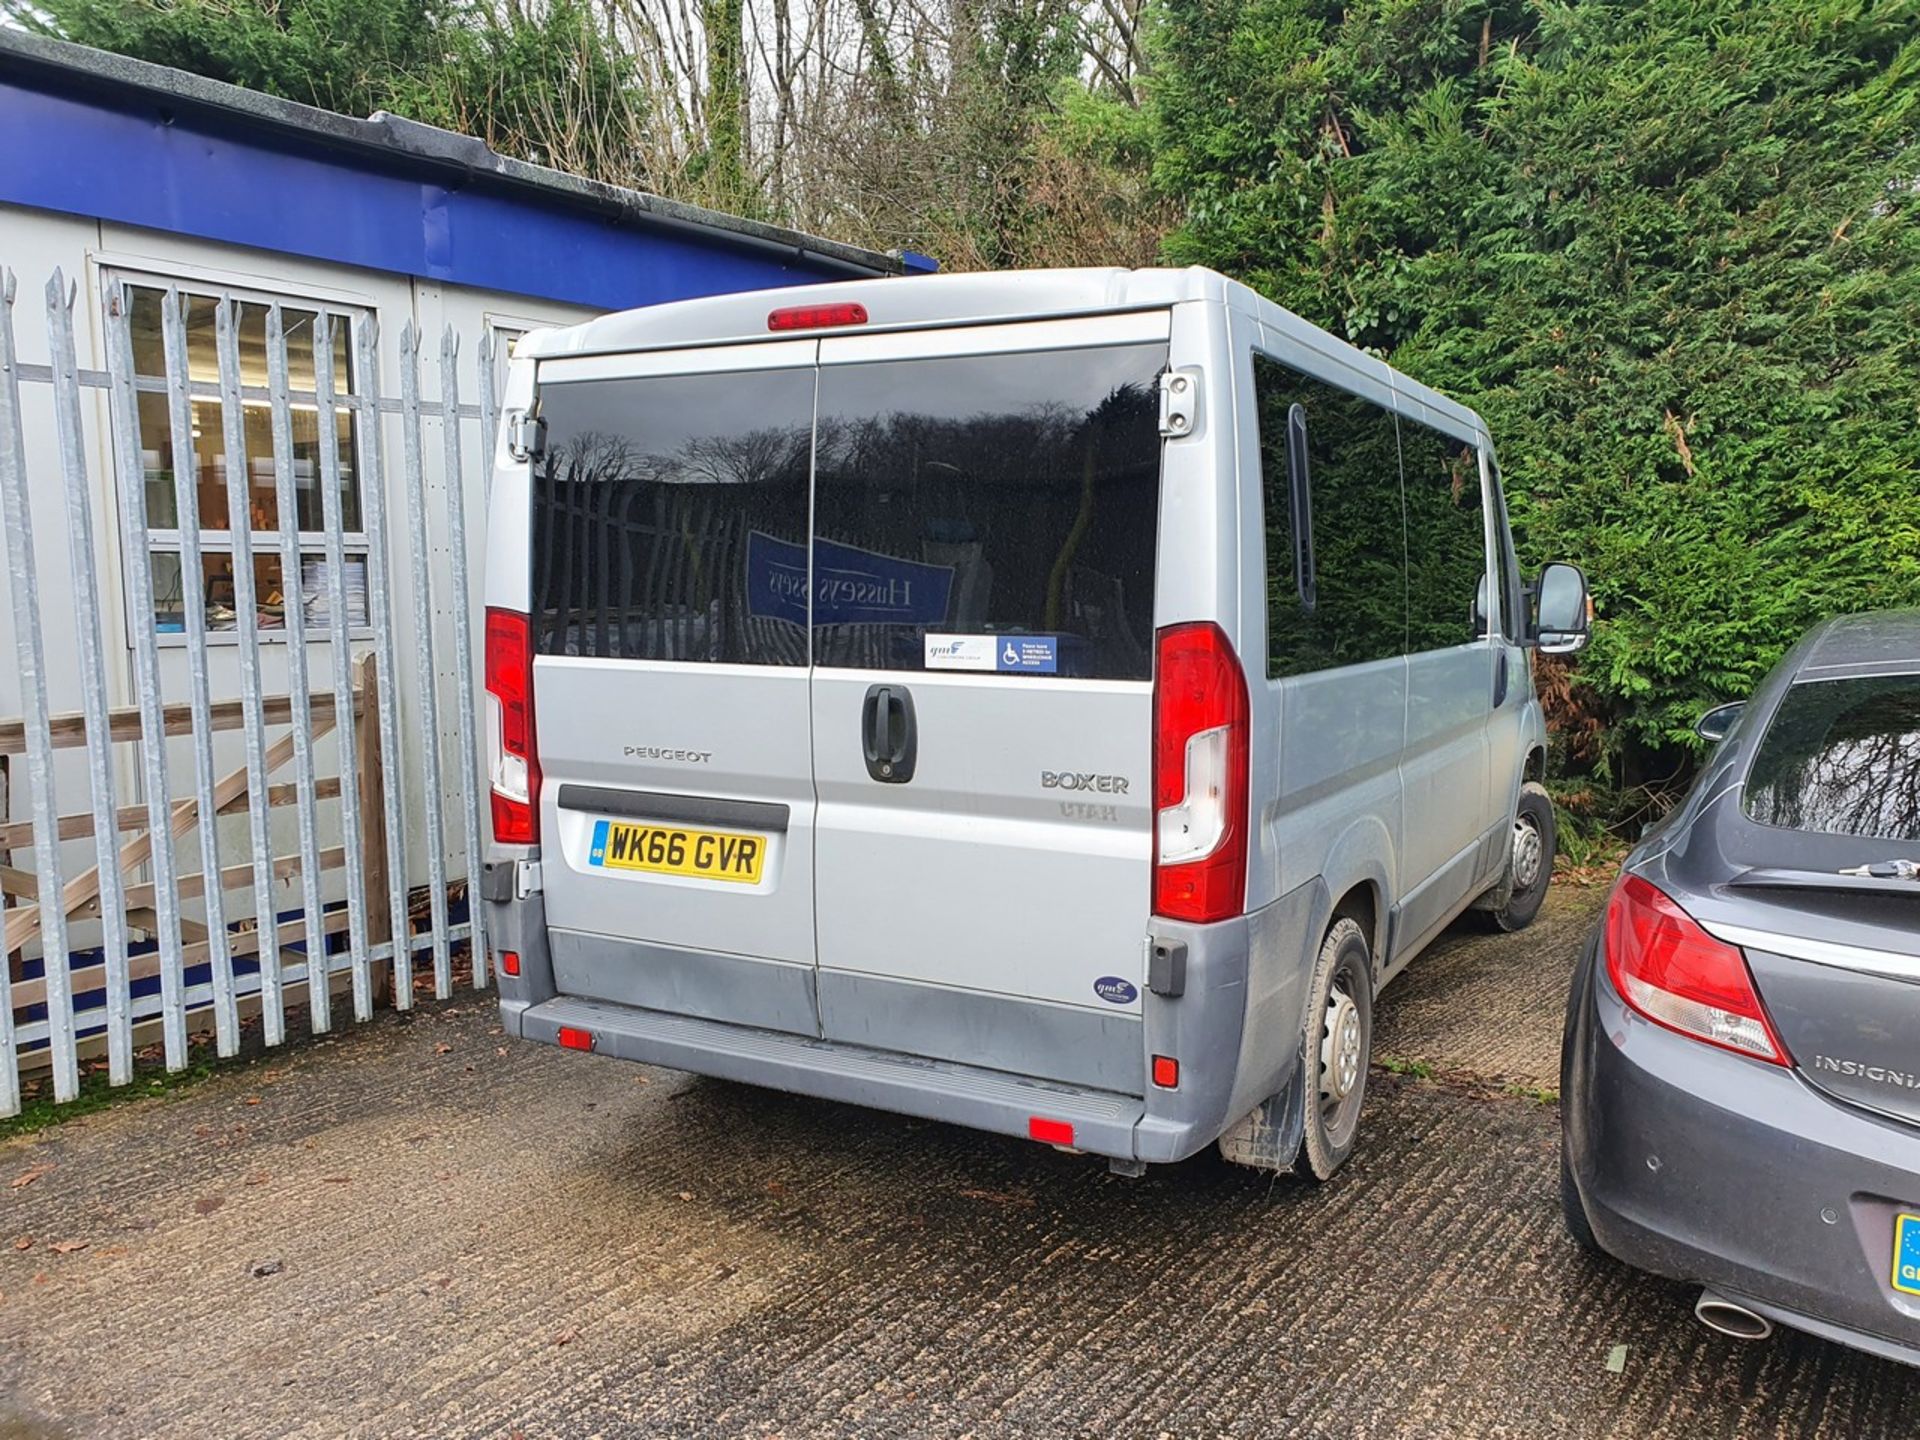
[(164, 540)]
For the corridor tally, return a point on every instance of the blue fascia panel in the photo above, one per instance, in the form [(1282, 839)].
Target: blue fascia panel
[(87, 158)]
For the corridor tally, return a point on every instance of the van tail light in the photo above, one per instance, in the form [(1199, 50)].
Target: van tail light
[(1199, 776), (513, 766), (1673, 972)]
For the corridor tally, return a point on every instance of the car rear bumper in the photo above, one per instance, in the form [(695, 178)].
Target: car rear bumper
[(1707, 1167)]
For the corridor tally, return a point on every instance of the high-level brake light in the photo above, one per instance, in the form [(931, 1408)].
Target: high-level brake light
[(1672, 971), (818, 317)]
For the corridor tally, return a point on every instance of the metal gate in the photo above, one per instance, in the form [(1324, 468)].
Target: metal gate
[(116, 945)]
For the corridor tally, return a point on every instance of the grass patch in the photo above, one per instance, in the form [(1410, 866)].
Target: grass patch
[(1539, 1094), (151, 1080), (1413, 1069)]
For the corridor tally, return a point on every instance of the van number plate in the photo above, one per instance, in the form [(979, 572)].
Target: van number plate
[(675, 850)]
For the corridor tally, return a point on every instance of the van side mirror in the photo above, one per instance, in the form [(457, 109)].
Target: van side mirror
[(1714, 725), (1562, 610)]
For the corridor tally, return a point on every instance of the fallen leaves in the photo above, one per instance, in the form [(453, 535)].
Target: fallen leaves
[(443, 1048), (68, 1247), (27, 1177), (207, 1204), (25, 1242), (566, 1337)]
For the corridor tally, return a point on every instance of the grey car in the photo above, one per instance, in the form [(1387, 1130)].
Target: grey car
[(1741, 1072)]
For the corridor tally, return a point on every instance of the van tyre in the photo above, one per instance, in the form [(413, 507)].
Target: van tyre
[(1339, 1047), (1529, 859)]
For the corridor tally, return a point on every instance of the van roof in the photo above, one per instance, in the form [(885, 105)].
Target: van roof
[(969, 298)]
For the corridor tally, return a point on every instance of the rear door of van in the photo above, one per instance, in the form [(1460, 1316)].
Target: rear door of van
[(669, 589), (986, 504)]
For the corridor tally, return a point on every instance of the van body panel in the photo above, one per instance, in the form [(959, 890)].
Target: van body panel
[(697, 732), (926, 303), (1445, 771), (974, 875), (714, 985), (1344, 782), (1278, 984), (1071, 1044)]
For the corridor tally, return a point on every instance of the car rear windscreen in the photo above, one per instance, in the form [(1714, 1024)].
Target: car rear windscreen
[(1842, 757), (989, 512)]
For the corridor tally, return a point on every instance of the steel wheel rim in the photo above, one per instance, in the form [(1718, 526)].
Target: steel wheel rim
[(1527, 849), (1343, 1046)]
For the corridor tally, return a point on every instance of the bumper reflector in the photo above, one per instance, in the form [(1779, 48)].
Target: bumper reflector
[(1050, 1132), (509, 962), (574, 1038), (1166, 1072)]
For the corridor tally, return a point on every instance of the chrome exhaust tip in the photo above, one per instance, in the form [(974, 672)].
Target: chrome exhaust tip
[(1727, 1317)]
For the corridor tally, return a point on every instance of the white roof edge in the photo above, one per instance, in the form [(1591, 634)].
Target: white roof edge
[(967, 298)]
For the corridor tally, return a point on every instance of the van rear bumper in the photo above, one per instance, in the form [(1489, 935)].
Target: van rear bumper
[(1103, 1123)]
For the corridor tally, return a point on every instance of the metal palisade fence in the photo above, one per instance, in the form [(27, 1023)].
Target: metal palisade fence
[(264, 828)]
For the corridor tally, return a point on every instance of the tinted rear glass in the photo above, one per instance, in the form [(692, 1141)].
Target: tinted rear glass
[(1842, 757), (1006, 496), (661, 509)]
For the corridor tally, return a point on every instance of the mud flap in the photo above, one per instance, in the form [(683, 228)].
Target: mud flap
[(1268, 1136)]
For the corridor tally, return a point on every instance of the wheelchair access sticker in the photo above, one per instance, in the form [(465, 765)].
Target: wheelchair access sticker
[(1006, 654)]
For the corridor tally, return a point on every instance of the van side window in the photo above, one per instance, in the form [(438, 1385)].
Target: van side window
[(1359, 542), (989, 512), (1446, 537), (670, 518)]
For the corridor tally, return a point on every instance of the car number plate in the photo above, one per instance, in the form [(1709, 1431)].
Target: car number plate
[(1906, 1254), (677, 850)]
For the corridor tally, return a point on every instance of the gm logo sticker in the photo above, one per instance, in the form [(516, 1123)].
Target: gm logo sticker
[(1906, 1254), (1115, 991)]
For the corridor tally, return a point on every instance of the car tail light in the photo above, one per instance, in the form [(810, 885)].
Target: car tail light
[(818, 317), (514, 770), (1673, 972), (1199, 776)]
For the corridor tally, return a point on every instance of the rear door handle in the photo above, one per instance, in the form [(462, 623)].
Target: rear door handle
[(1500, 678), (888, 734)]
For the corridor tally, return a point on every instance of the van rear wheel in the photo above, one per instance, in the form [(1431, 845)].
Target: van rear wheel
[(1339, 1047)]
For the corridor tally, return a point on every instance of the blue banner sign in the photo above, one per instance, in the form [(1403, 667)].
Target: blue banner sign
[(850, 586)]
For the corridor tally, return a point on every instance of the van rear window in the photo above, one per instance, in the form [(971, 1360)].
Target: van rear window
[(659, 510), (964, 510), (989, 512)]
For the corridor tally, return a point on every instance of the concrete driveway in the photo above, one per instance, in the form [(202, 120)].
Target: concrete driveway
[(420, 1229)]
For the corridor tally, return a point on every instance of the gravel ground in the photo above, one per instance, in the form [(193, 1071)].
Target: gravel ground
[(419, 1228)]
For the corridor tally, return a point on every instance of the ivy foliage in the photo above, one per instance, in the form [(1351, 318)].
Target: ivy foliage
[(1670, 249)]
